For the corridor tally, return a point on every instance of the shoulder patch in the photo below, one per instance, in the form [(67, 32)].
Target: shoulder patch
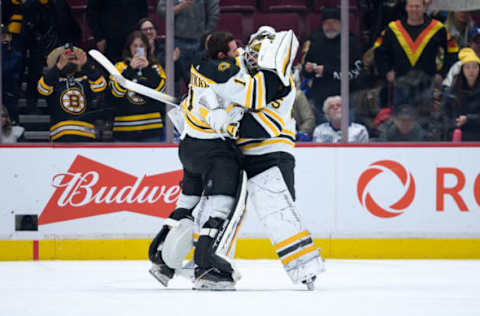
[(223, 66)]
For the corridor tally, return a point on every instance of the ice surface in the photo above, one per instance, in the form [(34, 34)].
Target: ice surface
[(348, 287)]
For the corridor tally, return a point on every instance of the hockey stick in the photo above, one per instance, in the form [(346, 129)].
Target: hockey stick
[(129, 84)]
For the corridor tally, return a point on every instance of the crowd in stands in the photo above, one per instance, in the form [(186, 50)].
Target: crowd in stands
[(413, 72)]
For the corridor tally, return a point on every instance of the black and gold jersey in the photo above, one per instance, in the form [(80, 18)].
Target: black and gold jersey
[(137, 116), (69, 101)]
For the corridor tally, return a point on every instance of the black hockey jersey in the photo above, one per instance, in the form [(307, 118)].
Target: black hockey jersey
[(138, 117), (69, 101)]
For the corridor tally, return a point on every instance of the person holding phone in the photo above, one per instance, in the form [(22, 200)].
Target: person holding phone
[(136, 117)]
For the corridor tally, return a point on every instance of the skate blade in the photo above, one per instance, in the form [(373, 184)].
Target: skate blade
[(160, 277), (206, 285)]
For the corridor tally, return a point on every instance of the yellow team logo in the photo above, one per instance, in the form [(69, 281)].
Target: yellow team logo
[(223, 66), (135, 98), (73, 101)]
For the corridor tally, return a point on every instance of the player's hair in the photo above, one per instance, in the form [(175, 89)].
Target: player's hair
[(148, 52), (218, 43)]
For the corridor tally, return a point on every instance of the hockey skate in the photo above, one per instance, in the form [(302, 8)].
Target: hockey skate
[(213, 280), (162, 273)]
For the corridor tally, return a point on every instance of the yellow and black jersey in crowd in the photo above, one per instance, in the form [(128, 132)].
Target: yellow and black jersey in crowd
[(69, 102), (13, 11), (233, 86), (403, 47), (138, 117)]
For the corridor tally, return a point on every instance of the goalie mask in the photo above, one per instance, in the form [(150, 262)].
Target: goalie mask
[(255, 43), (272, 51)]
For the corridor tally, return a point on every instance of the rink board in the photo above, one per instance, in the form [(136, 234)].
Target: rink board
[(373, 201)]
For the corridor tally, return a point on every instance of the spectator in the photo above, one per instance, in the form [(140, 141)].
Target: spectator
[(192, 19), (414, 43), (70, 84), (455, 69), (379, 13), (111, 21), (303, 114), (460, 25), (148, 27), (47, 24), (11, 68), (464, 108), (138, 118), (10, 134), (322, 60), (402, 126), (330, 132)]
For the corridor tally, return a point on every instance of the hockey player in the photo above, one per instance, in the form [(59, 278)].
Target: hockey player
[(270, 164), (211, 165)]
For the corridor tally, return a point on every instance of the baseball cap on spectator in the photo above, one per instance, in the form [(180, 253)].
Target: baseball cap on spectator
[(331, 13), (467, 55), (55, 54)]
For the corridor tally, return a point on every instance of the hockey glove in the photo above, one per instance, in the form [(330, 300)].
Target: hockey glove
[(217, 119)]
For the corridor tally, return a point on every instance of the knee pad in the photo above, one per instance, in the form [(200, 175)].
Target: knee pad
[(219, 206)]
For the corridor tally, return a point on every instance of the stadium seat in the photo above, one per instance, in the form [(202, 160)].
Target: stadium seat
[(77, 3), (240, 25), (317, 5), (283, 5), (238, 5)]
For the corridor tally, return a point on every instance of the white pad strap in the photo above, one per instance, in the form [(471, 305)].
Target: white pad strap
[(187, 201)]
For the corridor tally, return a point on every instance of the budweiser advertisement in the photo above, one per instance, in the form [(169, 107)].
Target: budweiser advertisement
[(341, 191)]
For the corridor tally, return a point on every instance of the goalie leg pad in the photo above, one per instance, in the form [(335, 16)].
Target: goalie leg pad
[(157, 244), (284, 225), (178, 243)]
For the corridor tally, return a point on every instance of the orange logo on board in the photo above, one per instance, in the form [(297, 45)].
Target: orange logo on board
[(373, 171)]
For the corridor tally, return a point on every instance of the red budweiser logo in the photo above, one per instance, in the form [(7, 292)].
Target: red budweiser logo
[(90, 188)]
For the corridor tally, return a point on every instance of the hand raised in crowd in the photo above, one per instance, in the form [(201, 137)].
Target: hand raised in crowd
[(65, 58), (308, 67), (138, 62), (461, 120), (102, 46), (80, 57), (318, 69)]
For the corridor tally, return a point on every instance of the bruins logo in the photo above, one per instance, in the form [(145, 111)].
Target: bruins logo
[(223, 66), (73, 101), (135, 98)]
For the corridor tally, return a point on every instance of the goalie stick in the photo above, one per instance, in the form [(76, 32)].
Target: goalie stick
[(129, 84)]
